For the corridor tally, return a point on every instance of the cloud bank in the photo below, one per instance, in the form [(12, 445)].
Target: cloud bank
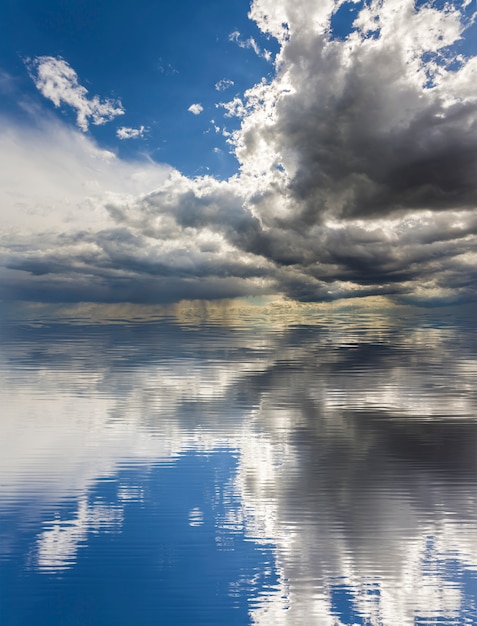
[(357, 175)]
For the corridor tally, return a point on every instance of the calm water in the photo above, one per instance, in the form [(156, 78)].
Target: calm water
[(319, 470)]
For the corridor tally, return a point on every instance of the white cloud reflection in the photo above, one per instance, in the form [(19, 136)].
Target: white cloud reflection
[(58, 545), (364, 494)]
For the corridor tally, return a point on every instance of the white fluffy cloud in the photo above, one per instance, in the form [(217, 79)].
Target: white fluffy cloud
[(224, 84), (125, 132), (58, 82), (196, 108)]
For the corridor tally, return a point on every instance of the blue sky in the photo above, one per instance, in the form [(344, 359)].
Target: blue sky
[(158, 58), (155, 152)]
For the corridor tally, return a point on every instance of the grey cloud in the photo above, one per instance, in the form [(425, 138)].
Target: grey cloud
[(362, 139), (119, 264), (70, 288), (360, 131), (364, 135), (182, 207)]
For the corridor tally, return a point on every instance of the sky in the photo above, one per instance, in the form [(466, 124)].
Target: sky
[(154, 152)]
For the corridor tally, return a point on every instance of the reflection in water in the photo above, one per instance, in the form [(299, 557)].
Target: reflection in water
[(58, 543), (320, 472)]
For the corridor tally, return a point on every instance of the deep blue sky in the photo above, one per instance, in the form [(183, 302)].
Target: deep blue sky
[(158, 58)]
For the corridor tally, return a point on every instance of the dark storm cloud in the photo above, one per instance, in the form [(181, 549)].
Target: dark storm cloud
[(378, 138), (348, 169), (370, 126)]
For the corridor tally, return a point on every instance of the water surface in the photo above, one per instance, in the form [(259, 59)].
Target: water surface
[(264, 469)]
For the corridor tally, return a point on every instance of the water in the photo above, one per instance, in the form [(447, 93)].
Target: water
[(261, 467)]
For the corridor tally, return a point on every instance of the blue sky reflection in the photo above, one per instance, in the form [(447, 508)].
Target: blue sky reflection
[(154, 543)]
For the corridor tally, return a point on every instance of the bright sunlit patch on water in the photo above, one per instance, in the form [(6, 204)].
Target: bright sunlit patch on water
[(310, 467)]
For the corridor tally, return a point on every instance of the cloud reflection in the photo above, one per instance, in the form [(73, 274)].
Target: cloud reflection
[(356, 447), (58, 544)]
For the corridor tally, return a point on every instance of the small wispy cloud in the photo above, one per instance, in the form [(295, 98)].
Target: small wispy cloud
[(196, 108), (250, 44), (166, 68), (224, 84), (57, 81), (124, 132)]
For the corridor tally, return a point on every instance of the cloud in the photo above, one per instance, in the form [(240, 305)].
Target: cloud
[(360, 140), (196, 108), (125, 132), (357, 176), (58, 82), (356, 124), (166, 68), (224, 84), (57, 180), (92, 227), (250, 44)]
